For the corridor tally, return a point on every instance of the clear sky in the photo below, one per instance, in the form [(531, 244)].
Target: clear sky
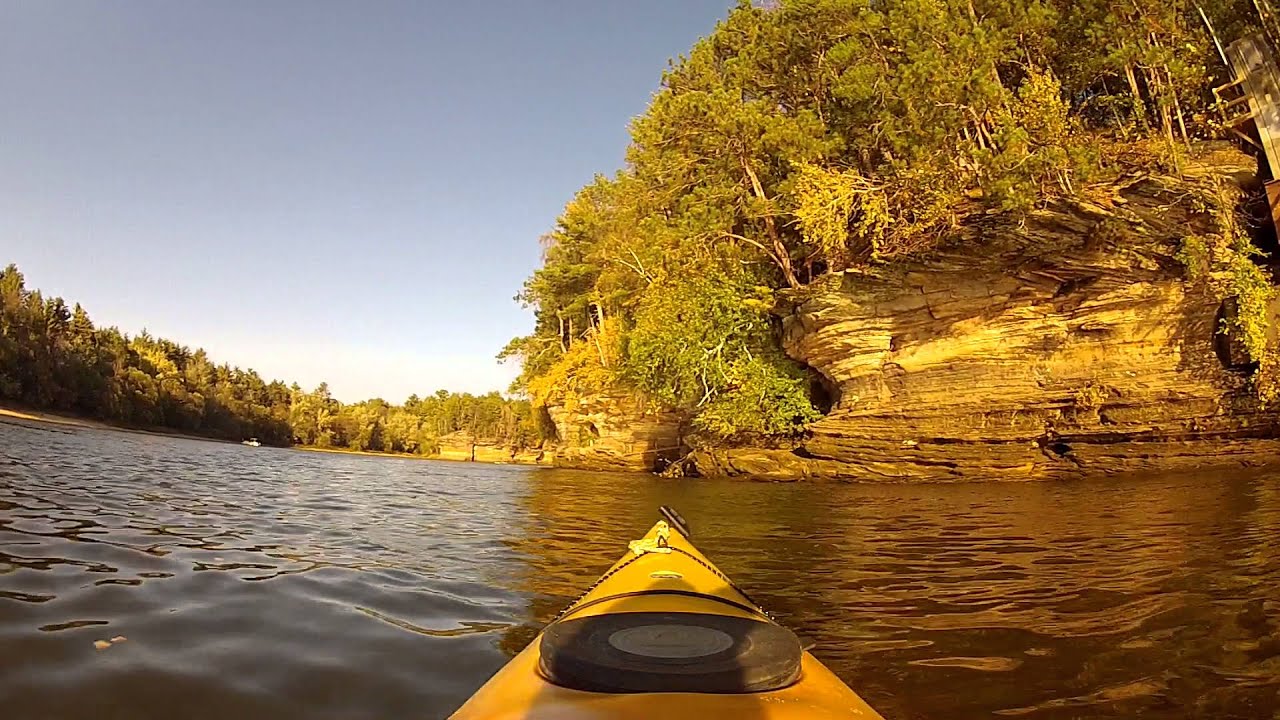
[(345, 191)]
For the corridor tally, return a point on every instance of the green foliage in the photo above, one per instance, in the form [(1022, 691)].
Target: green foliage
[(416, 426), (1254, 293), (1038, 150), (1224, 261), (703, 342), (688, 330), (1194, 256), (761, 397), (53, 357)]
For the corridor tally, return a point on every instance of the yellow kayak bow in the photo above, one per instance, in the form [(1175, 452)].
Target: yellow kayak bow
[(664, 634)]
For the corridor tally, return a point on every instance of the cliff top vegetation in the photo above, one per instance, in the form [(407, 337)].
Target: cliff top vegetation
[(807, 137)]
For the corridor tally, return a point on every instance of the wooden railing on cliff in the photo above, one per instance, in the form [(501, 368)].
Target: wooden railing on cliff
[(1256, 77)]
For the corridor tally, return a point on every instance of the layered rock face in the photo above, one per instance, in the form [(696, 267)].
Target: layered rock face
[(1070, 344), (460, 447), (614, 432)]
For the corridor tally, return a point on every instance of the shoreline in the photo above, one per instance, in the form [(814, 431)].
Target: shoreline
[(9, 413), (442, 457), (370, 453)]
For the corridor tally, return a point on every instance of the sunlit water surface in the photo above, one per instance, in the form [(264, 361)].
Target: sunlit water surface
[(262, 583)]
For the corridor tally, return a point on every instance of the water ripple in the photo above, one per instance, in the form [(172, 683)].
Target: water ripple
[(262, 583)]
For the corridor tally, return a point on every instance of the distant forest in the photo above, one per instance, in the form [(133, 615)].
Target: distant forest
[(53, 357)]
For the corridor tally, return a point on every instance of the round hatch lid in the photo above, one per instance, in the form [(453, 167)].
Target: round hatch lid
[(669, 652)]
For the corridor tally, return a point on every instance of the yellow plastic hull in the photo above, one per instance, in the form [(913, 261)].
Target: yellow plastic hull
[(519, 691)]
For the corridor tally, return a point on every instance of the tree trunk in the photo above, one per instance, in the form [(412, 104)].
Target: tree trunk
[(1139, 108), (1160, 93), (599, 324), (780, 254), (1177, 108)]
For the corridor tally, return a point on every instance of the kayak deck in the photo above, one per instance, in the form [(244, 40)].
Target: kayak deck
[(663, 575)]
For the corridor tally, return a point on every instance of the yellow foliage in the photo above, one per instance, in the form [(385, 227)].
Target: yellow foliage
[(155, 361), (1041, 109), (1266, 381), (833, 207), (590, 365), (1091, 396)]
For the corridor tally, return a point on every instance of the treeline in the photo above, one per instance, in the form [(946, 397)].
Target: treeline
[(53, 357), (804, 138), (417, 426)]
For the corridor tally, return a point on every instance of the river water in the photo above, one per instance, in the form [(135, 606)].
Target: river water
[(262, 583)]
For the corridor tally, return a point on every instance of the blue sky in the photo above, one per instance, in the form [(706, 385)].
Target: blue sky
[(342, 191)]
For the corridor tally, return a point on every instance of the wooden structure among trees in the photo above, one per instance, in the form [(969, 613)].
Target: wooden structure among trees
[(1253, 65)]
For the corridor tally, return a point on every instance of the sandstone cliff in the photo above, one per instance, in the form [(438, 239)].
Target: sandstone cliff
[(1069, 344), (460, 447), (614, 432)]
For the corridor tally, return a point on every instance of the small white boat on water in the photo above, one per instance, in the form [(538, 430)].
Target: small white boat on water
[(251, 442)]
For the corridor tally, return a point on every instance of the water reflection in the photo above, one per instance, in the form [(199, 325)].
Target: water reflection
[(265, 583), (1049, 601)]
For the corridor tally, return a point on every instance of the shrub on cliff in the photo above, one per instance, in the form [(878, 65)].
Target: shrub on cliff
[(704, 344), (1224, 262)]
